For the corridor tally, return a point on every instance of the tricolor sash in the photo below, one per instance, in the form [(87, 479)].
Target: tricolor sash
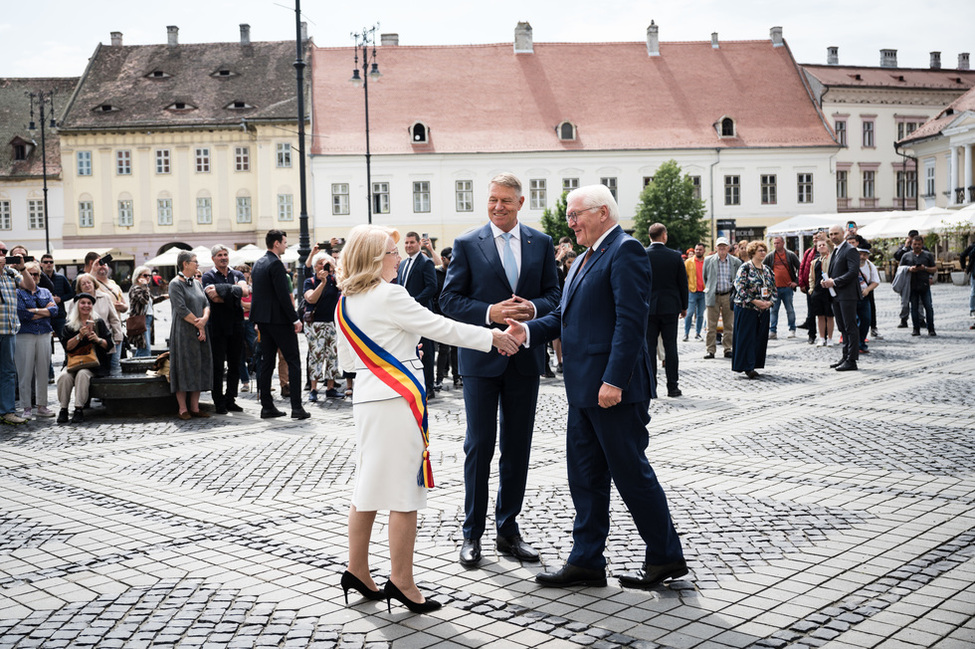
[(394, 374)]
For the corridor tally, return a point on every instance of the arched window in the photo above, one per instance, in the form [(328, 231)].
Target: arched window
[(727, 127), (567, 131), (419, 133)]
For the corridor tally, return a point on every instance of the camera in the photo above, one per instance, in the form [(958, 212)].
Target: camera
[(17, 259), (105, 260), (424, 236)]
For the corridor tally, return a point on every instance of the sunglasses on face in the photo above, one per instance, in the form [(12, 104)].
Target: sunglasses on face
[(3, 251)]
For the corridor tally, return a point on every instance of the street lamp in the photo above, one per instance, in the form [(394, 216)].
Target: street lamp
[(41, 97), (370, 70), (304, 241)]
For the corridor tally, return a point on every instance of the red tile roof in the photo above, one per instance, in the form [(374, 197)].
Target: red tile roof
[(14, 119), (852, 76), (486, 98), (936, 124)]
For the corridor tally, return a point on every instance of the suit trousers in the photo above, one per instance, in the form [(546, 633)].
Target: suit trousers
[(722, 307), (429, 362), (664, 326), (845, 312), (273, 338), (446, 359), (604, 444), (226, 349), (517, 395)]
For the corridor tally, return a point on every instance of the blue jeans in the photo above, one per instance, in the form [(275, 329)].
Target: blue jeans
[(250, 351), (116, 357), (145, 353), (8, 373), (863, 321), (695, 307), (920, 298), (784, 296)]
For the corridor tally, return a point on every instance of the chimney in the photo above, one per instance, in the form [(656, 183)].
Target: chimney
[(389, 39), (888, 58), (714, 40), (935, 60), (304, 31), (523, 39), (116, 39), (173, 32), (776, 34), (963, 61), (245, 34), (653, 41), (832, 55)]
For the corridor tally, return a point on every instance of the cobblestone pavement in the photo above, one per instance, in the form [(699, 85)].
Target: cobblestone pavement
[(816, 509)]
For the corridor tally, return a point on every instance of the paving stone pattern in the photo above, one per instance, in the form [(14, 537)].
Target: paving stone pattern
[(816, 509)]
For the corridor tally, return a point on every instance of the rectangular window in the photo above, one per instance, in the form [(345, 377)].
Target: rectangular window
[(869, 184), (286, 207), (340, 198), (242, 158), (421, 196), (5, 223), (841, 179), (769, 189), (243, 209), (538, 194), (284, 154), (804, 187), (203, 160), (125, 216), (907, 184), (696, 181), (86, 214), (647, 180), (568, 184), (841, 131), (164, 210), (464, 195), (868, 140), (204, 210), (732, 190), (162, 161), (611, 184), (35, 214), (380, 198), (929, 186), (123, 163), (84, 163), (906, 128)]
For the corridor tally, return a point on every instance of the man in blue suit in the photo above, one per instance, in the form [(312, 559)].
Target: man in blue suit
[(418, 276), (502, 270), (602, 320), (668, 299)]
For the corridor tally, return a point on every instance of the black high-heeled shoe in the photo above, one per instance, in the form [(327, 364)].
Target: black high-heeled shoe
[(392, 592), (351, 581)]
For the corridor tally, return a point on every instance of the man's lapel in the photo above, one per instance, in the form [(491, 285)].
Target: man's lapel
[(490, 251)]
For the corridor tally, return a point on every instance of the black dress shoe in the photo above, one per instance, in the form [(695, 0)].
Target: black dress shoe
[(470, 553), (267, 413), (752, 374), (650, 576), (847, 367), (233, 407), (709, 355), (728, 353), (674, 393), (571, 575), (220, 410), (300, 413), (833, 366), (516, 547)]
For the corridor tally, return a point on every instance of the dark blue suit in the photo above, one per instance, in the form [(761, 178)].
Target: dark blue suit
[(668, 300), (476, 280), (602, 321), (421, 284), (844, 269)]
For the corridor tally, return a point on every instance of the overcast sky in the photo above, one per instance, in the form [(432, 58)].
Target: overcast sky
[(56, 37)]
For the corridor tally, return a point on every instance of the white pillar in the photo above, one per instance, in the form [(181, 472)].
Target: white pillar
[(953, 176), (966, 176)]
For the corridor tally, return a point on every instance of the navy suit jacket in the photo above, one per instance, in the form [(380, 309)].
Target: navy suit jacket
[(476, 280), (844, 268), (602, 320), (422, 282), (271, 303), (669, 294)]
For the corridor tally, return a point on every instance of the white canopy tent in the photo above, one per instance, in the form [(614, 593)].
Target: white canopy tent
[(807, 224), (168, 258), (898, 224)]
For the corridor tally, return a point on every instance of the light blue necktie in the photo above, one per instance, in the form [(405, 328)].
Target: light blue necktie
[(510, 265)]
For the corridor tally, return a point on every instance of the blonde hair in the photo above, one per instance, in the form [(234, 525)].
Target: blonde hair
[(362, 257), (94, 282), (32, 265), (74, 316)]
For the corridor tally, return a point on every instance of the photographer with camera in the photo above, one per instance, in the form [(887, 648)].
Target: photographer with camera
[(321, 294), (10, 280), (922, 267)]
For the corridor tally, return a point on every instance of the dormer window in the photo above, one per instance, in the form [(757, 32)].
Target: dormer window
[(223, 73), (726, 127), (181, 106), (105, 108), (20, 151), (566, 131), (158, 74), (238, 105), (419, 133)]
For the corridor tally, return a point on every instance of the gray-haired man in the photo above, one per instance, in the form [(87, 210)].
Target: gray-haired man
[(224, 287)]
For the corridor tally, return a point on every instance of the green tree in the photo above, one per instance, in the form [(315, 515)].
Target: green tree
[(555, 225), (669, 199)]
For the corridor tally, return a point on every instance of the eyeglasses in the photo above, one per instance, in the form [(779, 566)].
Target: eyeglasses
[(574, 216), (145, 275), (47, 261), (35, 274), (392, 252), (3, 251)]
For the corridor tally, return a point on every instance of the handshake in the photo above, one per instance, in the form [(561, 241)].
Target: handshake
[(512, 312), (509, 341)]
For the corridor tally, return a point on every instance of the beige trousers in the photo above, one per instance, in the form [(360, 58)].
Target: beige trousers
[(723, 308), (80, 382)]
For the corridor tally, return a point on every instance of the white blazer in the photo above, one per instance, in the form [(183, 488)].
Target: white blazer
[(396, 322)]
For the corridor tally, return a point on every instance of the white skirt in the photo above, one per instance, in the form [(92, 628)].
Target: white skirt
[(389, 452)]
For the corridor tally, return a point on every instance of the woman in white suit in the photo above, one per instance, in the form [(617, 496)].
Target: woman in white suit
[(389, 445)]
